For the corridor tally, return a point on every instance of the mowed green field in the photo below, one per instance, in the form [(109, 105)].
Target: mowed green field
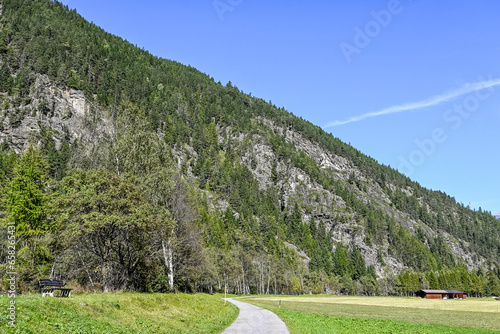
[(332, 314), (120, 313)]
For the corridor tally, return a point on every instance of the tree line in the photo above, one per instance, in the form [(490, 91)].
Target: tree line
[(107, 232)]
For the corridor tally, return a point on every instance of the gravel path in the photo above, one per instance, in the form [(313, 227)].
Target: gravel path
[(255, 320)]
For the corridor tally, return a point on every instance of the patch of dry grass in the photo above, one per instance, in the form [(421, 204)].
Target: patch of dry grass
[(470, 305), (477, 313)]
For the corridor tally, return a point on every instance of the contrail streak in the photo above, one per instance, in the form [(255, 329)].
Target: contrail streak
[(435, 100)]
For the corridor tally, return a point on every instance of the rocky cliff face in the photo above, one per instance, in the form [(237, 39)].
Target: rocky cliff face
[(320, 203), (65, 112)]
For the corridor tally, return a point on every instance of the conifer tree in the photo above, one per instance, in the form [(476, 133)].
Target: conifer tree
[(27, 207)]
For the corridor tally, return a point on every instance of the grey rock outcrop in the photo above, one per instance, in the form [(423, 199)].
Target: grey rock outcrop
[(67, 113)]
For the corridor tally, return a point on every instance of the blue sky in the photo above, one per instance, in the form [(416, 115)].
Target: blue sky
[(434, 62)]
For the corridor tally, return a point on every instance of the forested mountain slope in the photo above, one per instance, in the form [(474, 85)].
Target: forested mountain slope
[(149, 175)]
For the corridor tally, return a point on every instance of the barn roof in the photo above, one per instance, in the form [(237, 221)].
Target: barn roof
[(435, 291), (454, 291), (441, 291)]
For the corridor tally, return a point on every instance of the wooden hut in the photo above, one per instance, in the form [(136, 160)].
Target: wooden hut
[(441, 294)]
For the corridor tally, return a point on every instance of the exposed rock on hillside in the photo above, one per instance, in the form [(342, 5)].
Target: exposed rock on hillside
[(63, 111)]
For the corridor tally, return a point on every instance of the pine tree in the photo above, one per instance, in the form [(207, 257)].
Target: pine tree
[(340, 261), (295, 222), (357, 264), (433, 280), (27, 207), (27, 196), (6, 80)]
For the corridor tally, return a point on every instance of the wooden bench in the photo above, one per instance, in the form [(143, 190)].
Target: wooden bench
[(49, 285)]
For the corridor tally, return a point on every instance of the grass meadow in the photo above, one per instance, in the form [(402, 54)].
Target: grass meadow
[(202, 313), (119, 313), (332, 314)]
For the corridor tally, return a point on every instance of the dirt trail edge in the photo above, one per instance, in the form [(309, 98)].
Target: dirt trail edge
[(255, 320)]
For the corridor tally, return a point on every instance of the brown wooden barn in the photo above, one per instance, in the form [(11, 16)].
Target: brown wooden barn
[(441, 294)]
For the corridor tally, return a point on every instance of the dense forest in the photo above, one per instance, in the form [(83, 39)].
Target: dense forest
[(169, 197)]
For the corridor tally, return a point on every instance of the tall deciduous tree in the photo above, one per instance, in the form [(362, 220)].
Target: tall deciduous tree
[(106, 220)]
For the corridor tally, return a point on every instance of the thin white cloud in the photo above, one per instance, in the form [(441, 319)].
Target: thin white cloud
[(430, 102)]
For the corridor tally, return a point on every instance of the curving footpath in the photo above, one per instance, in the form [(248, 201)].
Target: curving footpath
[(255, 320)]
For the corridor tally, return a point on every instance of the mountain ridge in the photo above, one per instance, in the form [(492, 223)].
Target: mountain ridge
[(269, 178)]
